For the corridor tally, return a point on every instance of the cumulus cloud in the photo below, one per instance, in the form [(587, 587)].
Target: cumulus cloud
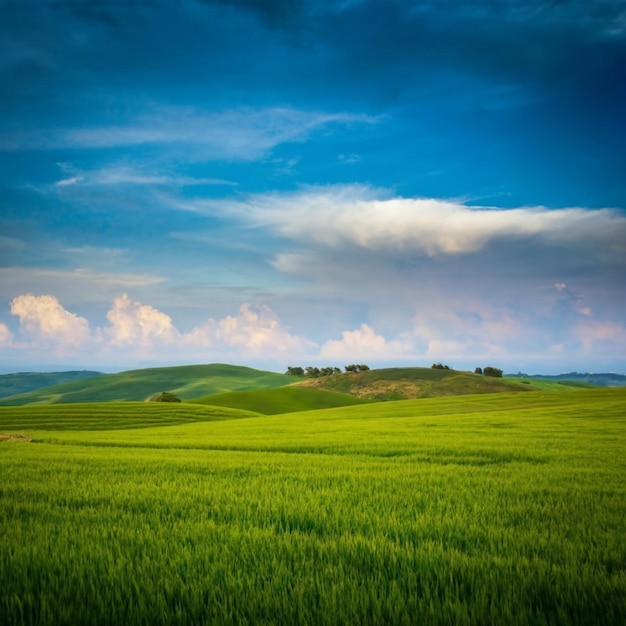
[(139, 325), (363, 343), (256, 331), (43, 319), (5, 335), (361, 217)]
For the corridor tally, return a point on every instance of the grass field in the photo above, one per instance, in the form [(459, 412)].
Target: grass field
[(282, 400), (400, 383), (488, 509), (187, 381)]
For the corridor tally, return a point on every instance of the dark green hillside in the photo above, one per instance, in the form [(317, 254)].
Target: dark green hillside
[(282, 400), (186, 382), (23, 382), (416, 382)]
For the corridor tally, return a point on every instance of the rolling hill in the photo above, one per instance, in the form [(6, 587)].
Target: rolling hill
[(249, 389), (186, 381), (281, 400), (23, 382), (419, 382)]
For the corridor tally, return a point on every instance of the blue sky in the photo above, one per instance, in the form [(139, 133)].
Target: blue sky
[(296, 182)]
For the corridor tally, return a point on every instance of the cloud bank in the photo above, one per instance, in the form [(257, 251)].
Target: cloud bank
[(463, 336)]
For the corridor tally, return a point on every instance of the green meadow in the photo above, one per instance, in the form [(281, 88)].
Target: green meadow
[(187, 381), (505, 508)]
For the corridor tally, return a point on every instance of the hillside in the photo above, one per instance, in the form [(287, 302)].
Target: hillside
[(23, 382), (201, 383), (600, 380), (418, 382), (282, 400), (186, 381)]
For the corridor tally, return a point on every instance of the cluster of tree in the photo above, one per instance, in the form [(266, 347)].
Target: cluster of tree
[(166, 396), (316, 372), (489, 371), (439, 366), (361, 367)]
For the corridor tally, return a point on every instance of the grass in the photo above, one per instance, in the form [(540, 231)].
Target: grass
[(282, 400), (489, 509), (419, 382), (111, 415), (23, 382), (186, 381)]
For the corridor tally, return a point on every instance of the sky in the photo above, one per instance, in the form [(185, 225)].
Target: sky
[(313, 182)]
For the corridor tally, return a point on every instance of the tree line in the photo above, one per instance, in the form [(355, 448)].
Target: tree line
[(317, 372), (495, 372)]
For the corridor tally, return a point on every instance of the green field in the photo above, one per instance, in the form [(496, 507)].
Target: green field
[(401, 383), (187, 381), (282, 400), (484, 509)]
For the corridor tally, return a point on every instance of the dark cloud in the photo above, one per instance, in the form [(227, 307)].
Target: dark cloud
[(274, 13)]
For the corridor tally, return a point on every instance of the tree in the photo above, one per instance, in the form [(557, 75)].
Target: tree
[(493, 371), (313, 372), (166, 396), (478, 370), (294, 371)]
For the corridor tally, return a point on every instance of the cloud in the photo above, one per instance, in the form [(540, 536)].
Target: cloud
[(364, 343), (5, 335), (68, 182), (255, 331), (234, 134), (607, 336), (138, 325), (44, 320), (88, 283), (360, 217), (128, 175)]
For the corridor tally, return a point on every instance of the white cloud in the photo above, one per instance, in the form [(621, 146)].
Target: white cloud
[(361, 217), (43, 319), (255, 331), (242, 133), (363, 343), (138, 325), (129, 175), (5, 335), (72, 284), (68, 182)]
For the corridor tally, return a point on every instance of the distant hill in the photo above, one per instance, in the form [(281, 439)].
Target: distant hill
[(223, 385), (23, 382), (187, 381), (417, 382), (282, 400), (599, 380)]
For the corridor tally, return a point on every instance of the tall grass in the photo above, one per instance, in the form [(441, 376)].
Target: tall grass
[(496, 510)]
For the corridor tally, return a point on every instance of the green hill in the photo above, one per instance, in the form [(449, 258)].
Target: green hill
[(23, 382), (186, 382), (282, 400), (419, 382), (220, 384)]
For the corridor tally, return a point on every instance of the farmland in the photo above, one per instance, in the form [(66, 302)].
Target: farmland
[(481, 509)]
